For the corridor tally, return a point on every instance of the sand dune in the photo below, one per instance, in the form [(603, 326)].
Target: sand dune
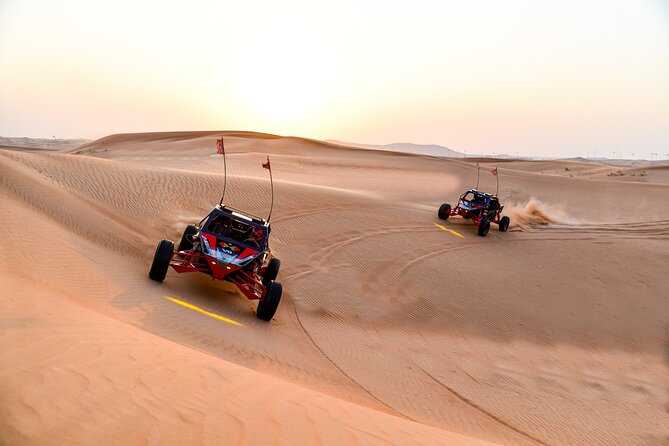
[(391, 330)]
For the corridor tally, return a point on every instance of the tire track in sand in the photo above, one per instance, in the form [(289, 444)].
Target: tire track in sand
[(472, 404), (331, 361)]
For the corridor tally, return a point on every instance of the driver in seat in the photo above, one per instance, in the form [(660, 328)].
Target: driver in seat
[(255, 238)]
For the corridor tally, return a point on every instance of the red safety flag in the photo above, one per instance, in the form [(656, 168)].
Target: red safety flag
[(494, 171), (266, 165), (220, 148)]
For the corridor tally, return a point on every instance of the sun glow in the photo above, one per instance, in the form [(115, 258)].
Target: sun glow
[(281, 81)]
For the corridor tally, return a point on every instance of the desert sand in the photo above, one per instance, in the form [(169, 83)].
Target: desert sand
[(391, 329)]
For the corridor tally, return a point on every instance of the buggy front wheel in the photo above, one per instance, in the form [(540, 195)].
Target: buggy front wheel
[(270, 302), (272, 271), (444, 211), (484, 227), (161, 260), (504, 224)]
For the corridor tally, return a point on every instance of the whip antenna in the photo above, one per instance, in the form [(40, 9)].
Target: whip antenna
[(478, 174), (268, 166), (220, 149)]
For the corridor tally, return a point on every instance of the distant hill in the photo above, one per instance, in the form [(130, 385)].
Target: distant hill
[(19, 142), (406, 147)]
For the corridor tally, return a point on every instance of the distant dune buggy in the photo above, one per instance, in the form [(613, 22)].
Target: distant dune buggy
[(481, 208), (230, 245)]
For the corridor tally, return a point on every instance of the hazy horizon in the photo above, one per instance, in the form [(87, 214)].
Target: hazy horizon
[(521, 78)]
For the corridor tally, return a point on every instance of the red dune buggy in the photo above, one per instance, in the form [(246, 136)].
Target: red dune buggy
[(227, 245), (481, 208)]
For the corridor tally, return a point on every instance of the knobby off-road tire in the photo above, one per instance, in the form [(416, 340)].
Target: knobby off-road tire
[(268, 304), (272, 271), (484, 227), (444, 211), (186, 243), (161, 260), (504, 224)]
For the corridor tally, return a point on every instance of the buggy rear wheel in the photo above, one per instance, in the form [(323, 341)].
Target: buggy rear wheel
[(484, 227), (161, 260), (186, 243), (272, 271), (504, 224), (270, 302), (444, 211)]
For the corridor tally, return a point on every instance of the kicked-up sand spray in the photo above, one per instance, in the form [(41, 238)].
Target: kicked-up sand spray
[(533, 214)]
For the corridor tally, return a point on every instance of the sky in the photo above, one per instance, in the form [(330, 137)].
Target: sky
[(519, 77)]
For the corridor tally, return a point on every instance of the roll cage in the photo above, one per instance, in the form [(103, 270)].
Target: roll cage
[(473, 199), (237, 227)]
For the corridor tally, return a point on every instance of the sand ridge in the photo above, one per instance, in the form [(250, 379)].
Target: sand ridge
[(391, 330)]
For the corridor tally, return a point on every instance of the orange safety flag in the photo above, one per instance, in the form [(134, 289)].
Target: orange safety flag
[(220, 148), (494, 171), (266, 165)]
